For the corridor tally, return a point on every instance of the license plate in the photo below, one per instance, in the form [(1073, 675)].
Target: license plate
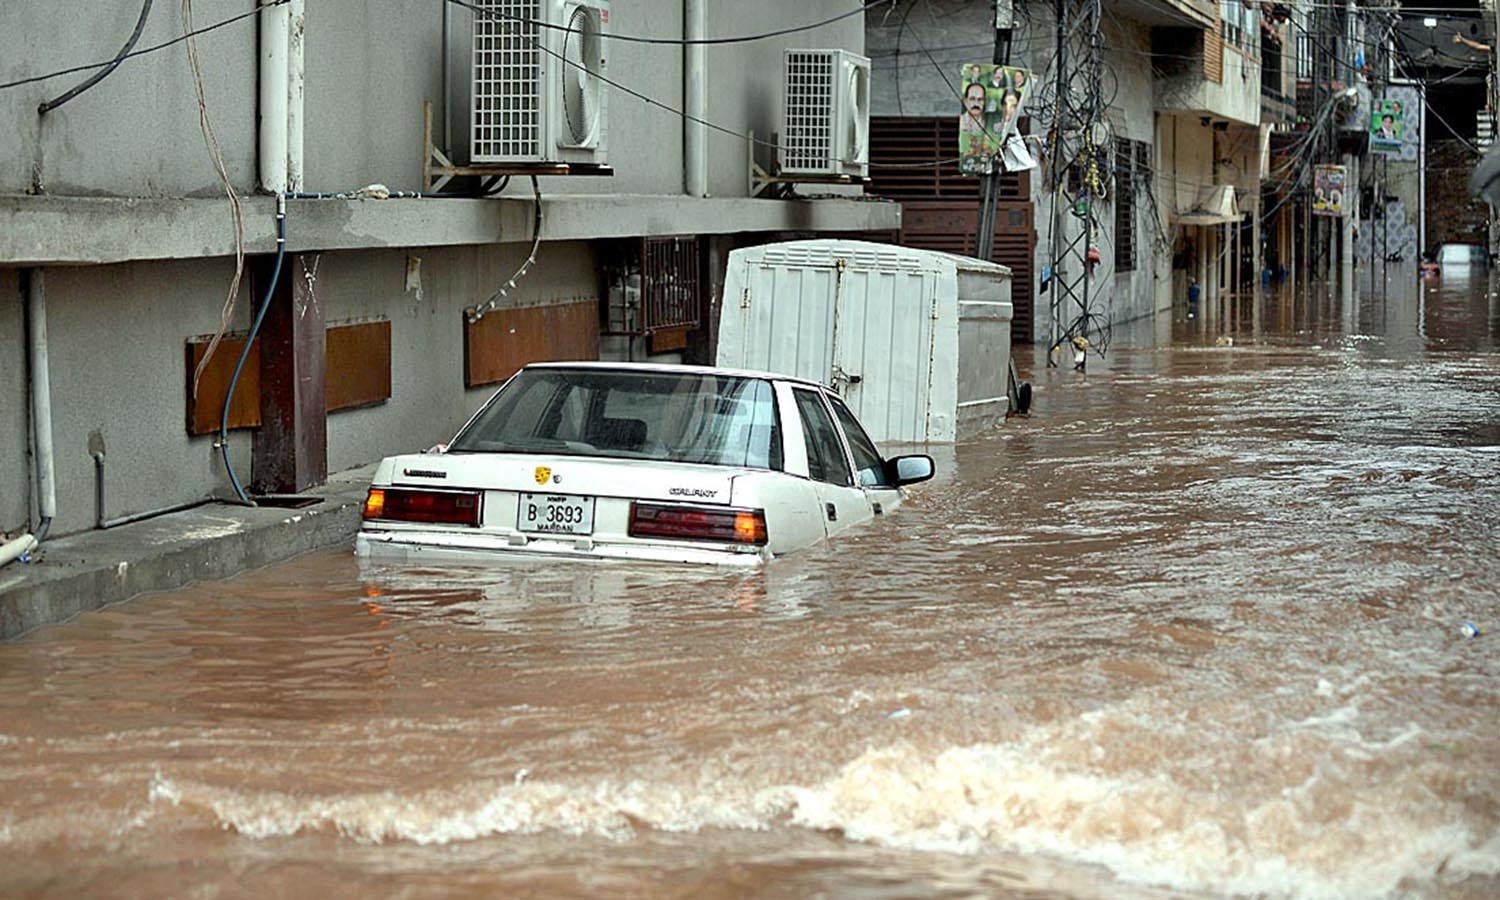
[(555, 514)]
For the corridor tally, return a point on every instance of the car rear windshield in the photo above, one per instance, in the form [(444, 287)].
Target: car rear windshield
[(681, 417)]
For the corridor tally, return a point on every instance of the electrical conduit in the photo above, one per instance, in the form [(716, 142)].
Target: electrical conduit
[(260, 316)]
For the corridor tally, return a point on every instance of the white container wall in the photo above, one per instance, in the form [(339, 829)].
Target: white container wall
[(916, 341), (984, 316)]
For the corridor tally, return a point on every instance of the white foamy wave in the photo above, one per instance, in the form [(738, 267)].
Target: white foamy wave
[(606, 809), (1151, 830)]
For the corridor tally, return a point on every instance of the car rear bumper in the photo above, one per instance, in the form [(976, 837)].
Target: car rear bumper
[(416, 545)]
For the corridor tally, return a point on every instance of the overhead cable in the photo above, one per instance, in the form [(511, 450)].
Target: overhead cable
[(140, 25), (675, 42), (152, 49)]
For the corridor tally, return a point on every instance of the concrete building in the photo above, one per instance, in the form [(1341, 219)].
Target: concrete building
[(119, 211)]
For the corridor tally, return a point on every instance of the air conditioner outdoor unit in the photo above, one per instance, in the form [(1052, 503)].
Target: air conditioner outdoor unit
[(537, 90), (825, 126)]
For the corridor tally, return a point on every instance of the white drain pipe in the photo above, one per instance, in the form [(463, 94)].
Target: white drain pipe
[(13, 550), (275, 32), (41, 419), (695, 99), (41, 399)]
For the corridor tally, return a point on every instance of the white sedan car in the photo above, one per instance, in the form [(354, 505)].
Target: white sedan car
[(638, 461)]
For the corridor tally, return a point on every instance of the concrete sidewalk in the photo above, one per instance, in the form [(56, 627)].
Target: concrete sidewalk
[(82, 572)]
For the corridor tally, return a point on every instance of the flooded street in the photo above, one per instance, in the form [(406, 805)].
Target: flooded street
[(1192, 628)]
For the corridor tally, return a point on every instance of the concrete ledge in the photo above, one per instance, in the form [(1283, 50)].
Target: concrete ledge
[(44, 230), (83, 572)]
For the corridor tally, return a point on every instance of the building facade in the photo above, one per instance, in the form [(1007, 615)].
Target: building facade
[(119, 212), (1173, 117)]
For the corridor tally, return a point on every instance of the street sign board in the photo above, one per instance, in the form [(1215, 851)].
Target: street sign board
[(1328, 190)]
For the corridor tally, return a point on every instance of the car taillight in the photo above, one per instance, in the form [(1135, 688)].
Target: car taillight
[(415, 505), (696, 523)]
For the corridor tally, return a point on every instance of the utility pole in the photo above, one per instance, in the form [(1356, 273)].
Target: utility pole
[(1005, 24), (1351, 175), (1077, 179)]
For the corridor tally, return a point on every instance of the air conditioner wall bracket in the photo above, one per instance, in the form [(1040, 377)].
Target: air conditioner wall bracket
[(438, 169), (772, 185)]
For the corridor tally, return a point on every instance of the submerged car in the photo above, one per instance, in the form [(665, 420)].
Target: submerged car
[(638, 461)]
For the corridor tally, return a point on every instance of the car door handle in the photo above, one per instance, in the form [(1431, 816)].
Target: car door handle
[(833, 512)]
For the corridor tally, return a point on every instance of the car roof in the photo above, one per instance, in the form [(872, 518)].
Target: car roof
[(670, 368)]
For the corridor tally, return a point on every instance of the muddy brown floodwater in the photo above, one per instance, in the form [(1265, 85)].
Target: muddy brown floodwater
[(1193, 628)]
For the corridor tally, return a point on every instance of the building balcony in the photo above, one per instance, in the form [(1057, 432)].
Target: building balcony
[(1277, 108), (1167, 12), (1198, 73)]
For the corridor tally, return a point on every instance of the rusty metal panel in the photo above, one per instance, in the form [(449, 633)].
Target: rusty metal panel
[(204, 410), (668, 341), (670, 290), (359, 364), (953, 226), (507, 339)]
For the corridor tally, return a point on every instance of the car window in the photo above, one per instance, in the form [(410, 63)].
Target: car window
[(825, 451), (680, 417), (866, 457)]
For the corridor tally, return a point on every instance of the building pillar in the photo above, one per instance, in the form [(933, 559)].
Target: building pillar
[(1258, 264), (291, 446)]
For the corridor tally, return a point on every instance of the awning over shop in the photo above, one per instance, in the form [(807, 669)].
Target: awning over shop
[(1216, 206)]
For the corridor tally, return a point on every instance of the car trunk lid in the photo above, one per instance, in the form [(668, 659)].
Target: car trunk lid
[(538, 473)]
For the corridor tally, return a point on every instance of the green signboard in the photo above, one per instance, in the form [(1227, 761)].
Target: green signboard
[(1387, 126)]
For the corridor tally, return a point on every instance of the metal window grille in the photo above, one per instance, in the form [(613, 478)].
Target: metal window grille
[(507, 111), (1304, 44), (670, 290), (1129, 157), (808, 141)]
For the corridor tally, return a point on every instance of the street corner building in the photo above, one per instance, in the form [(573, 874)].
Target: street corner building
[(244, 246)]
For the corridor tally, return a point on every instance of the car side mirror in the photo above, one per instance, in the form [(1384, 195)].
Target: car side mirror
[(909, 469)]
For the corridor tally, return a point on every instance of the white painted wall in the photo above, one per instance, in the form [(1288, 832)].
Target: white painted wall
[(118, 366), (369, 67), (136, 132)]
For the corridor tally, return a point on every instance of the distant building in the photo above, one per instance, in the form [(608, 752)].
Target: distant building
[(1181, 132)]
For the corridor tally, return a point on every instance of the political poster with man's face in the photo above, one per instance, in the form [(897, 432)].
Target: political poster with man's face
[(993, 98), (1387, 126)]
